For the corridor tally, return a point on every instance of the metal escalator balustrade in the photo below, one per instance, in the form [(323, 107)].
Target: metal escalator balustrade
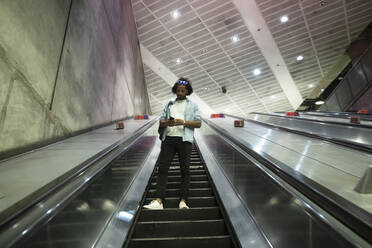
[(352, 136), (287, 217), (79, 224), (203, 225)]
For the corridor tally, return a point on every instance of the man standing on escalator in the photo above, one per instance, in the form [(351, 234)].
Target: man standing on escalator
[(180, 118)]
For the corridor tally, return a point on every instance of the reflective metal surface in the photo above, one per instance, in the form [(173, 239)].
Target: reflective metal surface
[(83, 219), (331, 117), (365, 184), (285, 221), (349, 134), (337, 168), (27, 176), (118, 227), (247, 232)]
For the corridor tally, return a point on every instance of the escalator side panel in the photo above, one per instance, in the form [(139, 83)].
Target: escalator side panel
[(82, 220), (285, 222)]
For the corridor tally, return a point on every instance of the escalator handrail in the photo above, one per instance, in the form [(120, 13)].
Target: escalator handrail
[(313, 120), (352, 216), (341, 115), (45, 206), (349, 144)]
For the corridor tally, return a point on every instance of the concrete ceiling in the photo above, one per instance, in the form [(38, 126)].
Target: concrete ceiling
[(201, 37)]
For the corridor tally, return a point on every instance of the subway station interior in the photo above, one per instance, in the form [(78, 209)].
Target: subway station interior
[(283, 96)]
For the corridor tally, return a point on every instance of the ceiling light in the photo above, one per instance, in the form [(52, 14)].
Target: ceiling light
[(235, 38), (257, 72), (319, 102), (321, 90), (175, 14), (272, 97), (284, 19), (300, 57), (178, 61), (311, 85)]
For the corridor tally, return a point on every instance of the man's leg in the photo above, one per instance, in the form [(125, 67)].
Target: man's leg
[(168, 150), (184, 156)]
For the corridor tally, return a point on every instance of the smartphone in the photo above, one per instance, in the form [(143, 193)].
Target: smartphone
[(171, 118)]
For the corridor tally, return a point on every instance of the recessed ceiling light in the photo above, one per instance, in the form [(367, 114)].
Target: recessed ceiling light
[(235, 38), (311, 85), (257, 72), (178, 61), (319, 102), (321, 90), (300, 57), (284, 19), (175, 14), (273, 97)]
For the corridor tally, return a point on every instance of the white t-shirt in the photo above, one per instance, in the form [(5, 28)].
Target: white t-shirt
[(177, 111)]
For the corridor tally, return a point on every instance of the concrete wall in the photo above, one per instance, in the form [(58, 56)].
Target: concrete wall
[(66, 66)]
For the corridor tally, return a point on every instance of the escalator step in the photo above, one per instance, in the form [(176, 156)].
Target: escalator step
[(196, 162), (201, 226), (191, 167), (177, 178), (183, 242), (176, 192), (178, 172), (207, 213), (177, 185), (172, 202), (179, 228)]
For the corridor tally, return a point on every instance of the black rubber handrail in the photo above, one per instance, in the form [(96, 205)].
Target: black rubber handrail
[(352, 216)]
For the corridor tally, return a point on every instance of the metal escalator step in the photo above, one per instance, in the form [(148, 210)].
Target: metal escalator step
[(191, 167), (206, 213), (192, 156), (195, 157), (176, 192), (178, 172), (187, 228), (177, 185), (222, 241), (172, 202), (197, 162), (177, 178)]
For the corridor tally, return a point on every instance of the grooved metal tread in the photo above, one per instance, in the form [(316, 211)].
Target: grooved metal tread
[(202, 225)]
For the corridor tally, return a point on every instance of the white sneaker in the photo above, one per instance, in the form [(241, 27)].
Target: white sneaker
[(155, 205), (183, 205)]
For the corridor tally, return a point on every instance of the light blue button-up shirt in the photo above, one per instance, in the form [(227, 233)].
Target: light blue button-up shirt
[(191, 114)]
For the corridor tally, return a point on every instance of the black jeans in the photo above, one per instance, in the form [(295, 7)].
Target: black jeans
[(169, 147)]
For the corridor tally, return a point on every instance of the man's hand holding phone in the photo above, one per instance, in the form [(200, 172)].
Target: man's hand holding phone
[(171, 122)]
